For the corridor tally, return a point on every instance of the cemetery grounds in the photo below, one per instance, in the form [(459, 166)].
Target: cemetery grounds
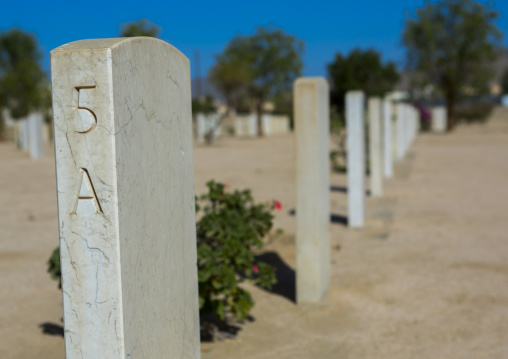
[(426, 278)]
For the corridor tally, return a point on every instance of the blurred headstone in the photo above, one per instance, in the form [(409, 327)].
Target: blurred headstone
[(387, 141), (355, 125), (312, 129), (375, 147), (439, 121), (401, 130), (35, 128)]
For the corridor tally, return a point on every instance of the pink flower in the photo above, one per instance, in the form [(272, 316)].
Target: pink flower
[(255, 268), (277, 205), (226, 185)]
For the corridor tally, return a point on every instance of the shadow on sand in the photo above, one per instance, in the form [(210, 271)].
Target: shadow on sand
[(52, 329), (334, 218), (286, 277)]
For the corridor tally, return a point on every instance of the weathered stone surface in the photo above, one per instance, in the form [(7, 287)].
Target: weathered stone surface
[(375, 147), (312, 122), (35, 129), (355, 157), (439, 121), (123, 144), (401, 125), (387, 141)]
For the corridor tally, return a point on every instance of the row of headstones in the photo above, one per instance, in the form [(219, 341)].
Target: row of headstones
[(242, 125), (125, 186), (31, 135), (392, 129)]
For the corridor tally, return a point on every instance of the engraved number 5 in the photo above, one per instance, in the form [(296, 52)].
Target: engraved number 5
[(84, 117)]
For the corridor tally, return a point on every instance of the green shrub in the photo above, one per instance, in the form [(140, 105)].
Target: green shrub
[(54, 268), (338, 157), (231, 228), (475, 112)]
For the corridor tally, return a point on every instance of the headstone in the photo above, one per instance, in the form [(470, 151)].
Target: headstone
[(200, 128), (439, 120), (23, 134), (375, 147), (312, 122), (246, 125), (355, 157), (123, 144), (206, 124), (387, 141), (35, 127), (409, 125), (504, 100), (401, 130), (266, 120)]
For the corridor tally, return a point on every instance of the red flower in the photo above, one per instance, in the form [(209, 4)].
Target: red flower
[(255, 268), (277, 205)]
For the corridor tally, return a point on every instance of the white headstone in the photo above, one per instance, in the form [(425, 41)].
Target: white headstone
[(312, 126), (267, 124), (123, 144), (35, 128), (439, 120), (375, 147), (23, 134), (504, 100), (207, 125), (387, 142), (401, 130), (200, 128), (355, 126)]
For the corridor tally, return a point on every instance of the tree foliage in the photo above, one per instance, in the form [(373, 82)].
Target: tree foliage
[(23, 84), (363, 70), (504, 82), (143, 27), (258, 68), (452, 44), (205, 105)]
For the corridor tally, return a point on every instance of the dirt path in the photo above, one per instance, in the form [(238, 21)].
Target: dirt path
[(426, 278)]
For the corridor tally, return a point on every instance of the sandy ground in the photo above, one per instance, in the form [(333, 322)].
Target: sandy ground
[(426, 278)]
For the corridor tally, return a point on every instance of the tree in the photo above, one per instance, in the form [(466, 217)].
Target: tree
[(451, 44), (23, 84), (504, 82), (258, 67), (143, 27), (361, 69)]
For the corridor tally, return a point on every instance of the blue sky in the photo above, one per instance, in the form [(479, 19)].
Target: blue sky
[(327, 27)]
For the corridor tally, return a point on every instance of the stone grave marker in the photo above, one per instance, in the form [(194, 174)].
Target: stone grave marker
[(312, 126), (439, 120), (387, 141), (35, 129), (376, 147), (355, 143), (123, 144), (401, 130)]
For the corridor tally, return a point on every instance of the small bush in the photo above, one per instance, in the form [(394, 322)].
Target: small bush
[(231, 229), (54, 268), (338, 157), (478, 112)]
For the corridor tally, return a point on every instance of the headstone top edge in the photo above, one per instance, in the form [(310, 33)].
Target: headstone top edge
[(355, 93), (311, 80), (109, 43)]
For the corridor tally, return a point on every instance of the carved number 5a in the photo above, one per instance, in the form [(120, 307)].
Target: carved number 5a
[(85, 119)]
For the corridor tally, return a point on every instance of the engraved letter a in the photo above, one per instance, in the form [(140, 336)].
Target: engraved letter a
[(87, 193)]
